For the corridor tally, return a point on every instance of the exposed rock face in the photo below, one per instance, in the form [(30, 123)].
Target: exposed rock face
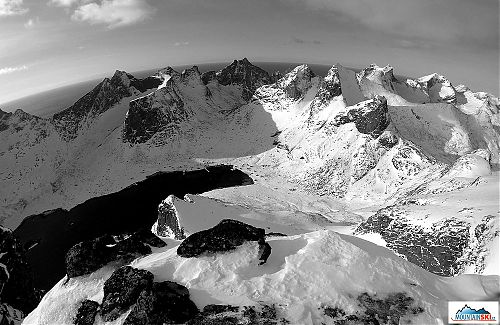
[(163, 303), (10, 315), (387, 139), (226, 236), (150, 114), (227, 314), (330, 88), (122, 290), (242, 73), (35, 128), (86, 313), (371, 116), (275, 76), (296, 83), (168, 223), (106, 94), (4, 117), (437, 249), (16, 277), (88, 256), (375, 310)]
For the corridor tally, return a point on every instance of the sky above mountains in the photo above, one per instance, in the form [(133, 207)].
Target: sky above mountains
[(45, 44)]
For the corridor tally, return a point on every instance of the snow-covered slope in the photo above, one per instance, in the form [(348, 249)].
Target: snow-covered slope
[(318, 277)]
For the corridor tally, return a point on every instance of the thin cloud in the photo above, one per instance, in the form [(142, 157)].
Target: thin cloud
[(12, 8), (114, 13), (181, 43), (444, 20), (63, 3), (304, 41), (8, 70)]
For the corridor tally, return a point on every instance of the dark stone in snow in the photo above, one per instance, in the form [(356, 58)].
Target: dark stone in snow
[(122, 290), (88, 256), (226, 236), (86, 313), (388, 140), (164, 303)]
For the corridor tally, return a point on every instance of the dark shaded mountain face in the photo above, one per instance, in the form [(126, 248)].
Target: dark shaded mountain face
[(172, 104), (242, 73), (51, 234), (106, 94)]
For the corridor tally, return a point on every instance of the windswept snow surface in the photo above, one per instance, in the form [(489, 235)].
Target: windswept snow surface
[(303, 274)]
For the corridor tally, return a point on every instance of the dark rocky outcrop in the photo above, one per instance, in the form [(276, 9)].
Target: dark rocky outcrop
[(16, 276), (4, 118), (225, 236), (86, 313), (371, 116), (387, 139), (88, 256), (229, 315), (122, 290), (275, 76), (330, 88), (164, 303), (438, 248), (374, 310), (145, 84), (168, 223)]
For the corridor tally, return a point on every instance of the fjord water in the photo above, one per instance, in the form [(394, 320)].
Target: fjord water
[(48, 236)]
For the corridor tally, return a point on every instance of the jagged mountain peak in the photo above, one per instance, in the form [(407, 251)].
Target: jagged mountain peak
[(439, 88), (242, 73), (296, 82), (168, 71), (381, 75)]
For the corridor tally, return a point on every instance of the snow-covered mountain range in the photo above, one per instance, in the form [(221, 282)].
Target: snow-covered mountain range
[(410, 164)]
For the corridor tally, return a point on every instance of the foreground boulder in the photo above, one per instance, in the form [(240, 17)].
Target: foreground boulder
[(16, 277), (226, 236), (86, 313), (122, 290), (164, 303), (88, 256)]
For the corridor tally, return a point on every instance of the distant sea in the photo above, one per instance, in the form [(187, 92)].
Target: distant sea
[(49, 102)]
